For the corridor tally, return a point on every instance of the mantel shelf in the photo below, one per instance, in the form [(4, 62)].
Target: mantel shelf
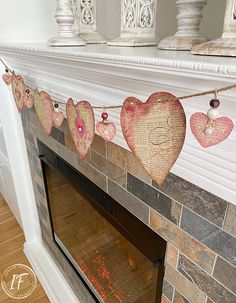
[(107, 75), (143, 57)]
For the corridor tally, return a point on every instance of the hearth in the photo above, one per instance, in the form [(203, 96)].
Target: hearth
[(118, 258)]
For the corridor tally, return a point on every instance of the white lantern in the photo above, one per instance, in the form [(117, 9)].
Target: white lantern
[(138, 23), (86, 20)]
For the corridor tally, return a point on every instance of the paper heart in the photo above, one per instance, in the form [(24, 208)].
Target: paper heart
[(44, 109), (106, 131), (18, 90), (28, 101), (221, 129), (7, 78), (57, 118), (80, 119), (154, 131)]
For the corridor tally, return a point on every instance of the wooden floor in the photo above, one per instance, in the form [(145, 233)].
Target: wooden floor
[(11, 252)]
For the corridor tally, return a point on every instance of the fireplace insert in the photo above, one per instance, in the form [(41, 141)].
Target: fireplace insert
[(117, 257)]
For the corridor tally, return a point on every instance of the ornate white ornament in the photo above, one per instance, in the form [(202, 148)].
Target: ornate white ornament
[(188, 20), (226, 45), (138, 23), (85, 20), (65, 19)]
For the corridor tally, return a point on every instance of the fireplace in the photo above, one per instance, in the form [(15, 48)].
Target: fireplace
[(117, 257)]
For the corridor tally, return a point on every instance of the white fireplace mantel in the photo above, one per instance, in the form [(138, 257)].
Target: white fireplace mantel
[(106, 76)]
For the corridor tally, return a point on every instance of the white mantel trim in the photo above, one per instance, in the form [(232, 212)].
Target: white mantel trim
[(51, 278)]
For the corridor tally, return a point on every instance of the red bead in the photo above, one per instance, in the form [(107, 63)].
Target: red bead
[(27, 91), (104, 116)]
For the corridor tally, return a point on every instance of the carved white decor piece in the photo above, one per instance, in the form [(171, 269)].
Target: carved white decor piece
[(85, 24), (65, 19), (226, 45), (138, 23), (188, 20)]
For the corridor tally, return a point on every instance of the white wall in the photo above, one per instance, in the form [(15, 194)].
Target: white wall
[(27, 20), (33, 20)]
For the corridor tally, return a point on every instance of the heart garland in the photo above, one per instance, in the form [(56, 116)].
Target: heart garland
[(105, 129), (221, 129), (18, 90), (154, 131), (45, 111), (7, 78), (81, 123)]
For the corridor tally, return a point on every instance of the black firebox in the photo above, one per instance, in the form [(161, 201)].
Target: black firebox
[(118, 258)]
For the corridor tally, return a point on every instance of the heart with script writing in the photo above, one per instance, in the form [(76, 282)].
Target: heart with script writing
[(81, 123), (154, 131), (44, 109), (18, 90), (221, 129), (106, 130)]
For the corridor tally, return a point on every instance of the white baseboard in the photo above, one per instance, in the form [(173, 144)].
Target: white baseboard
[(50, 277)]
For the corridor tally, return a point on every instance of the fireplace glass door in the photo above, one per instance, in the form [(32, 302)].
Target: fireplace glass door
[(112, 251)]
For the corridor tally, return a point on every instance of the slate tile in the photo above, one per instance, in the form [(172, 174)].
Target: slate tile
[(196, 251), (127, 160), (167, 289), (130, 202), (58, 135), (154, 198), (225, 273), (178, 298), (214, 290), (184, 286), (93, 174), (69, 143), (200, 201), (66, 154), (164, 299), (99, 145), (213, 237), (108, 168), (172, 255), (230, 221)]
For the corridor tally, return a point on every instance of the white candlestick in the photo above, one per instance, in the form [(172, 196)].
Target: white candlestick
[(65, 19), (226, 45), (138, 23), (189, 20)]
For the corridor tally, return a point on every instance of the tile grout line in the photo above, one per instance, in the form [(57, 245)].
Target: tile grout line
[(208, 275)]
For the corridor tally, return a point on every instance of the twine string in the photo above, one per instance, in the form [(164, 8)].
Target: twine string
[(204, 93)]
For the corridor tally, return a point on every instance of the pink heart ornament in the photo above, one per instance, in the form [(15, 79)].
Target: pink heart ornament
[(44, 109), (7, 78), (154, 131), (18, 90), (106, 131), (57, 118), (81, 123), (28, 101), (221, 129)]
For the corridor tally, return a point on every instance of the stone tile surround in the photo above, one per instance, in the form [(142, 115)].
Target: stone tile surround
[(200, 228)]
